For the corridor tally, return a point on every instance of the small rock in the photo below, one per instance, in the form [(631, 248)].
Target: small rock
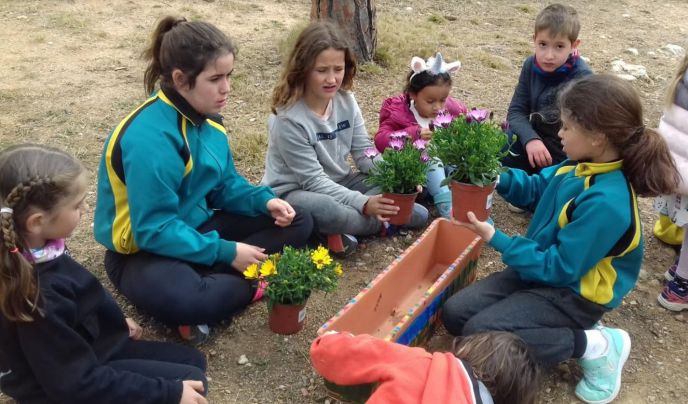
[(654, 282), (304, 392), (678, 360), (632, 51), (281, 387), (674, 49), (242, 360), (634, 302), (643, 274), (679, 317), (603, 37), (624, 69), (626, 15), (213, 352), (409, 8), (327, 401), (652, 54)]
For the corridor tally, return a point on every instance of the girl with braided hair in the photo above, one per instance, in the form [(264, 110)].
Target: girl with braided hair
[(62, 336)]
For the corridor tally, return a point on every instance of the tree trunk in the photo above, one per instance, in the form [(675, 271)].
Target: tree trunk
[(356, 18)]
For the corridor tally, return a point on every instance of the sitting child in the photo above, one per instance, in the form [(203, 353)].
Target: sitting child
[(425, 96), (533, 113), (483, 368)]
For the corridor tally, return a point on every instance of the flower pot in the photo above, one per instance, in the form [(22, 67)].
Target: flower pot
[(405, 203), (471, 198), (403, 303), (287, 319)]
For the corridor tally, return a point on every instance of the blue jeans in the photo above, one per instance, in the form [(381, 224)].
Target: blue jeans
[(543, 316), (435, 176)]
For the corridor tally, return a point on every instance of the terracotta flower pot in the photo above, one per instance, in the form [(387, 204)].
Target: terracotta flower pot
[(471, 198), (287, 319), (405, 203)]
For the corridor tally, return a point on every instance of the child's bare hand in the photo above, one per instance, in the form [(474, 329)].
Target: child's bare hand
[(281, 211), (485, 230), (425, 134), (246, 255), (538, 155), (135, 330), (192, 392), (381, 207)]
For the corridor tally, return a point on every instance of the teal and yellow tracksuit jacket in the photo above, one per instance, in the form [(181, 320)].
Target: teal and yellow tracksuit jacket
[(164, 169), (585, 233)]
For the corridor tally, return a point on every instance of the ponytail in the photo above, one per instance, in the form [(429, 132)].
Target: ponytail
[(187, 46), (606, 104), (152, 53), (649, 165), (18, 285)]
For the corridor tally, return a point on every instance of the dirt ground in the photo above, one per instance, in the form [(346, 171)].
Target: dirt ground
[(71, 71)]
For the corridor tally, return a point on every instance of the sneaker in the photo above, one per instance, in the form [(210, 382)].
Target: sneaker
[(674, 297), (671, 272), (514, 208), (194, 334), (261, 285), (602, 376), (341, 245)]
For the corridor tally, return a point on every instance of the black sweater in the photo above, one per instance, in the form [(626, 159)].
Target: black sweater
[(61, 357)]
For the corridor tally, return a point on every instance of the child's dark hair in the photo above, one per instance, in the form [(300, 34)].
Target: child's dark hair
[(606, 104), (502, 362), (31, 177), (184, 45), (316, 37), (559, 20), (414, 84)]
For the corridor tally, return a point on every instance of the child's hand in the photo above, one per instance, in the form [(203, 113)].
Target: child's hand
[(192, 392), (246, 255), (281, 211), (135, 330), (483, 229), (380, 207), (425, 134), (538, 155)]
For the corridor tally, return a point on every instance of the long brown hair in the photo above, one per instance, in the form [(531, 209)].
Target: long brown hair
[(501, 361), (31, 177), (185, 45), (315, 38), (606, 104), (673, 86)]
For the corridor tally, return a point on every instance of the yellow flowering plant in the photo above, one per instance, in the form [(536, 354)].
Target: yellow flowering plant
[(294, 274)]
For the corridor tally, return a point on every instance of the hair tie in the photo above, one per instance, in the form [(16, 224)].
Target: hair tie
[(9, 211), (434, 65), (15, 250)]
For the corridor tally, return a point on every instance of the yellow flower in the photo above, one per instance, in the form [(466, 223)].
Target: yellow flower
[(251, 271), (268, 268), (321, 257), (338, 269)]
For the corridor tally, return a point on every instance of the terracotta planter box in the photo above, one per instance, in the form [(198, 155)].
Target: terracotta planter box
[(403, 302)]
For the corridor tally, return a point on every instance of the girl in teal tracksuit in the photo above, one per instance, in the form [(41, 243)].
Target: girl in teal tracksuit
[(179, 222), (583, 249)]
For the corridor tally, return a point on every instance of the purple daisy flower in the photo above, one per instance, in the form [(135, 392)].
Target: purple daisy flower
[(477, 115), (505, 126), (396, 144), (400, 135), (420, 144), (442, 120), (424, 157), (371, 152)]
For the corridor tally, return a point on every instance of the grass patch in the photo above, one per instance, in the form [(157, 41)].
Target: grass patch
[(437, 19), (524, 8), (68, 22)]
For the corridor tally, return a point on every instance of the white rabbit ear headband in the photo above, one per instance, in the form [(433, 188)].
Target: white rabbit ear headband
[(435, 65)]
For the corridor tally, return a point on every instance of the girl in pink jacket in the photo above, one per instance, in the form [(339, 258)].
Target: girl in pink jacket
[(674, 129), (425, 97)]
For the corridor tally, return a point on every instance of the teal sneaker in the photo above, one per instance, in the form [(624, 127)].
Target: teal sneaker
[(602, 376)]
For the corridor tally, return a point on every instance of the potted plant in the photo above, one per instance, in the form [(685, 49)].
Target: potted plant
[(291, 277), (473, 146), (402, 168)]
